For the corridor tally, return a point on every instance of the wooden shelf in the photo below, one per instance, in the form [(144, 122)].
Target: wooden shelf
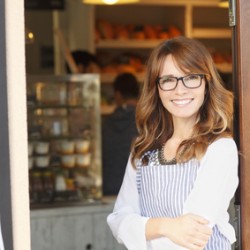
[(191, 26), (215, 33), (128, 44)]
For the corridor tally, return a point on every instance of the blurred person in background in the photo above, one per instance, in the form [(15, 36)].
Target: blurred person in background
[(85, 62), (118, 131)]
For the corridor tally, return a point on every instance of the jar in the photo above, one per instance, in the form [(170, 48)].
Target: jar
[(70, 183), (75, 96), (60, 183), (56, 128), (37, 186), (48, 186)]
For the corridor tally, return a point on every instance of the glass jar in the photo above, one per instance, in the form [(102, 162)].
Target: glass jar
[(48, 186), (36, 187)]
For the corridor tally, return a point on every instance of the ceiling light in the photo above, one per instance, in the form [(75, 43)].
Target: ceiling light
[(224, 3), (110, 2), (29, 36)]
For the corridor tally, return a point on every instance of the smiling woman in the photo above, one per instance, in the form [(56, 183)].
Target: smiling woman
[(172, 196), (181, 100)]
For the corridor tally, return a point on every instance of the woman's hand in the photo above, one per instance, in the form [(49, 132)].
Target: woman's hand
[(189, 231)]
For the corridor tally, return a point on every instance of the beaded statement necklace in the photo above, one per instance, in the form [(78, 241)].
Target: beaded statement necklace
[(163, 160)]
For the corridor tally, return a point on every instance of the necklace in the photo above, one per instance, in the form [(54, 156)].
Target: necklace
[(163, 160)]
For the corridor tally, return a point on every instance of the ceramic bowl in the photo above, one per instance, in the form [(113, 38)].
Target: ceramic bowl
[(68, 161), (42, 148), (42, 161)]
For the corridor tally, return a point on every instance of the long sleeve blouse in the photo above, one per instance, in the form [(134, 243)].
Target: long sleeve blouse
[(213, 188), (1, 239)]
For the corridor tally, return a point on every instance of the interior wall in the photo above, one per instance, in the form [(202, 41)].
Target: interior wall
[(39, 54), (45, 54)]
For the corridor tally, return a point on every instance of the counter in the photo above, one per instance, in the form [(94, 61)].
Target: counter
[(74, 226)]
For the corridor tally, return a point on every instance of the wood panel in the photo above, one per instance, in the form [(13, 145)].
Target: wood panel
[(243, 81)]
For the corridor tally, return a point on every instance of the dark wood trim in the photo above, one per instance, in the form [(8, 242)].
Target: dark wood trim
[(5, 189), (242, 36)]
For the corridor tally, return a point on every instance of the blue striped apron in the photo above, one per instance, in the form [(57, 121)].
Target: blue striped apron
[(163, 190)]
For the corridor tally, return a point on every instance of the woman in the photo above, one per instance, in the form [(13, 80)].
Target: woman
[(182, 172)]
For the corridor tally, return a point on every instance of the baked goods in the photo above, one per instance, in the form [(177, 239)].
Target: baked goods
[(82, 146), (67, 147), (68, 161), (108, 30)]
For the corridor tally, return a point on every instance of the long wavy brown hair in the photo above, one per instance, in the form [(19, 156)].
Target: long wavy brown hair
[(154, 122)]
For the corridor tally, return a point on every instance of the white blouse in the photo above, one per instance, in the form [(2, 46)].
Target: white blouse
[(1, 239), (214, 187)]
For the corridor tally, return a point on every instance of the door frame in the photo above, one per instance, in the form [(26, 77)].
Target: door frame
[(14, 188), (241, 55)]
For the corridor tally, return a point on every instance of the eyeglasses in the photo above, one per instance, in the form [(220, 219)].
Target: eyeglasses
[(192, 81)]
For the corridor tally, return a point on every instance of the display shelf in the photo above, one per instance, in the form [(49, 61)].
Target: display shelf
[(186, 16), (64, 121)]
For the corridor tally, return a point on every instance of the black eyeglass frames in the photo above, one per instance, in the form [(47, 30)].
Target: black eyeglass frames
[(191, 81)]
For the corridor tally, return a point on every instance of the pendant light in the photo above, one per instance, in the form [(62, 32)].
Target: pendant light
[(109, 2)]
